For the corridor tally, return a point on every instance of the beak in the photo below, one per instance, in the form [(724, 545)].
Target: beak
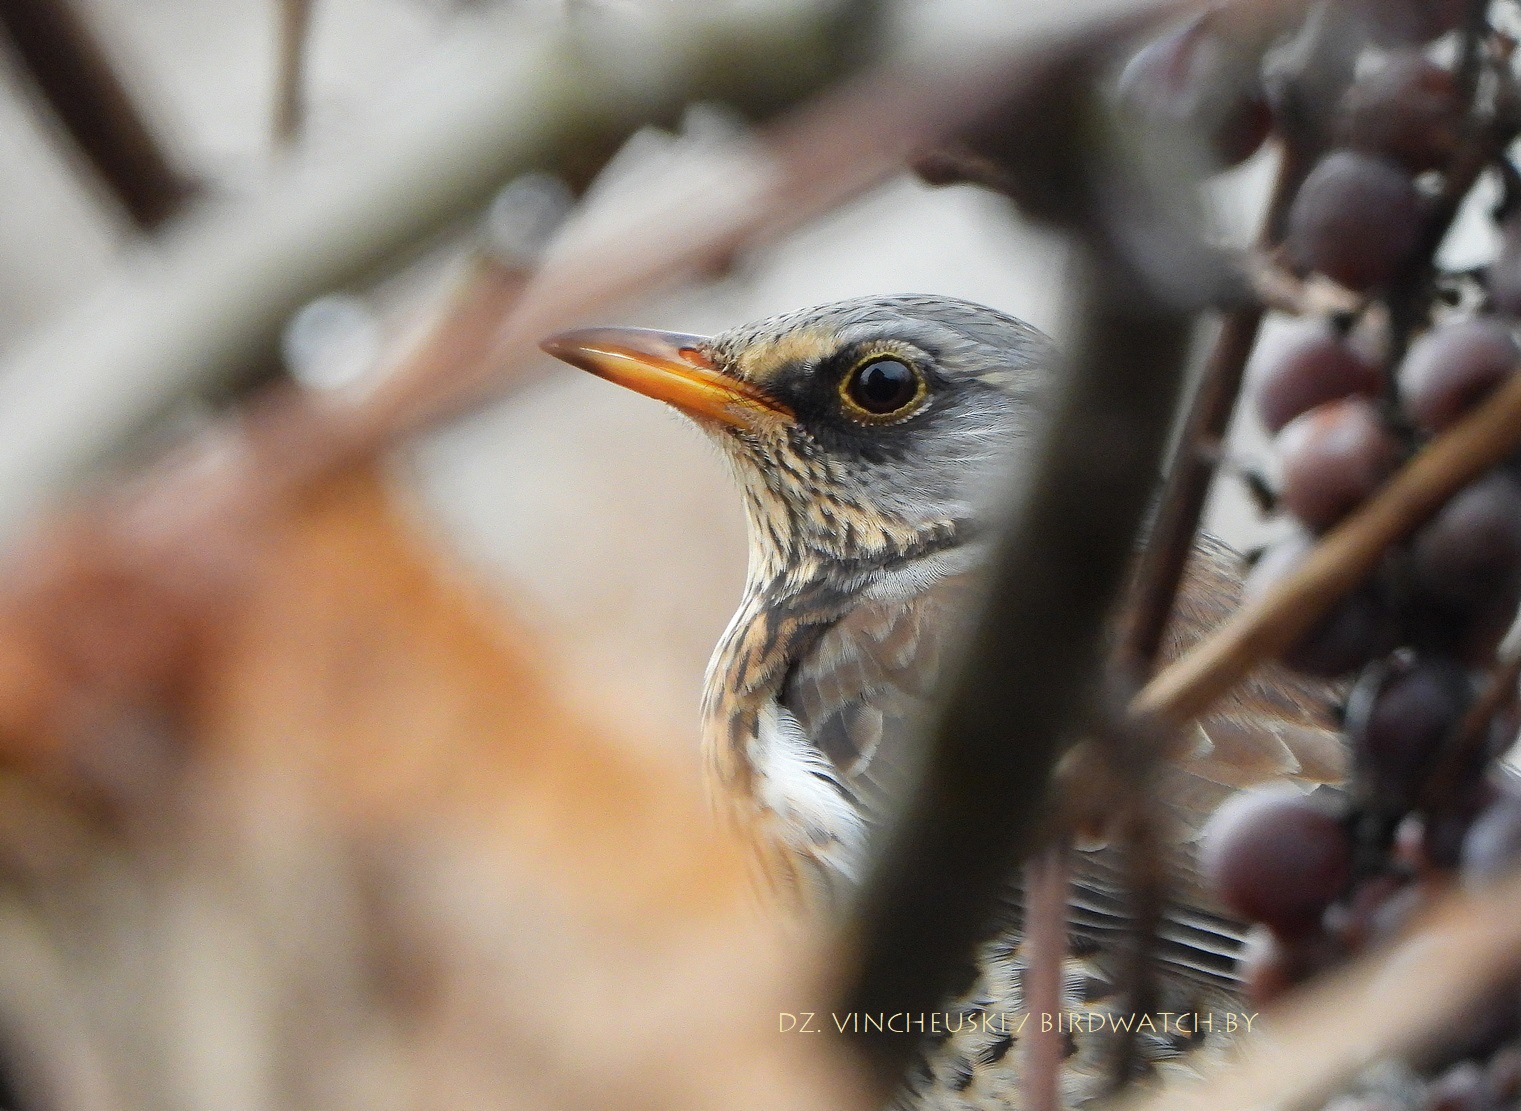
[(670, 367)]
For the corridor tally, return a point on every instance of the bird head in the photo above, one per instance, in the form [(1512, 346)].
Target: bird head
[(859, 430)]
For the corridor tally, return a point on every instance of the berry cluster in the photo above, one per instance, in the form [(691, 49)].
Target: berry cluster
[(1377, 103)]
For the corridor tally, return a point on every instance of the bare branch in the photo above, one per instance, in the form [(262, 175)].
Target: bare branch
[(1047, 882), (293, 35), (1300, 1053), (76, 77), (1193, 464), (1340, 563), (204, 311)]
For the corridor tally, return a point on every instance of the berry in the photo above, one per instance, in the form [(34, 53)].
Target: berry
[(1408, 109), (1316, 365), (1333, 458), (1451, 368), (1356, 629), (1357, 220), (1445, 830), (1191, 77), (1470, 552), (1276, 857), (1398, 715), (1270, 965)]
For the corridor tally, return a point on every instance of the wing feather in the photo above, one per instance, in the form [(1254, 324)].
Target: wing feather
[(862, 694)]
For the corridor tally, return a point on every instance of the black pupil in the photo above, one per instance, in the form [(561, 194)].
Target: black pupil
[(883, 386)]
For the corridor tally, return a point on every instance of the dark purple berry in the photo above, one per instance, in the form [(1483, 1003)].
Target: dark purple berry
[(1398, 715), (1357, 629), (1193, 77), (1407, 109), (1357, 220), (1450, 369), (1333, 458), (1276, 857), (1470, 551), (1312, 367)]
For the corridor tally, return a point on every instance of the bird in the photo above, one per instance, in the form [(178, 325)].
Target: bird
[(870, 440)]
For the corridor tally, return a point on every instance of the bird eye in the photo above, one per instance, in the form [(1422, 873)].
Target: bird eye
[(882, 388)]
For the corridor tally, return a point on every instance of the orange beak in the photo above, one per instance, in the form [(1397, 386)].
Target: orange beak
[(670, 367)]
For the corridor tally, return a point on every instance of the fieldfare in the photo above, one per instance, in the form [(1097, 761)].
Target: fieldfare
[(869, 438)]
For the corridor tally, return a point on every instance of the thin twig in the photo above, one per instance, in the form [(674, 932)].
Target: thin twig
[(1133, 754), (1191, 472), (1340, 563), (75, 75), (293, 35), (1047, 880)]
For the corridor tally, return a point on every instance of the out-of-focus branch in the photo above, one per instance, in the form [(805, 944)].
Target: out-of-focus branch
[(1389, 1004), (1047, 886), (74, 74), (1340, 563), (1192, 471), (1027, 672), (980, 801), (216, 299), (293, 19), (212, 304)]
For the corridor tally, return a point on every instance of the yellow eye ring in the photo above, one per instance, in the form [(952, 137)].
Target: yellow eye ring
[(883, 388)]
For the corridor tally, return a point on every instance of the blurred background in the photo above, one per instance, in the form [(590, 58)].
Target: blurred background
[(597, 510), (404, 839)]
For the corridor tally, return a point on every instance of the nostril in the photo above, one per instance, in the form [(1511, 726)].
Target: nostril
[(697, 357)]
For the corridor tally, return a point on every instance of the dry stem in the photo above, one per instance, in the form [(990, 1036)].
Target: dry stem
[(294, 25), (1339, 564), (1047, 880)]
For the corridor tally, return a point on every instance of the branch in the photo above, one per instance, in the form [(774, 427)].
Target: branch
[(198, 316), (1026, 673), (1388, 1004), (1340, 563), (74, 74), (294, 19), (1047, 882), (1192, 469), (203, 312)]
